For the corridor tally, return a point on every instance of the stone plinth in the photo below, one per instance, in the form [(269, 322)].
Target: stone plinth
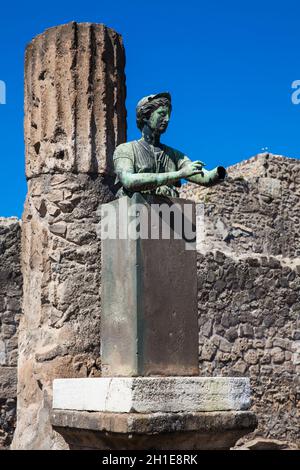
[(149, 322), (159, 431), (152, 394)]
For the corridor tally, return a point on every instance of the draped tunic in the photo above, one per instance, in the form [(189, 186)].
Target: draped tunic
[(140, 157)]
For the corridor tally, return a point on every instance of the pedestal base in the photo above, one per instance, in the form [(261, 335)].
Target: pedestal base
[(152, 412), (159, 431)]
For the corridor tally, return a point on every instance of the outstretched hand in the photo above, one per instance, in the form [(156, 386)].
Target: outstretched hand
[(190, 169)]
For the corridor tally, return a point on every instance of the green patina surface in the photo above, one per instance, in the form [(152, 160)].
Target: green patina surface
[(150, 167)]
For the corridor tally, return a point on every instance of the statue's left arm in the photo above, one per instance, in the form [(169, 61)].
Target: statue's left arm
[(209, 177), (206, 177)]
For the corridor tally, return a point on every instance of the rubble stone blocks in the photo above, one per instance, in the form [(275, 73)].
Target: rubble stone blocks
[(10, 315), (249, 281), (149, 322), (265, 186), (8, 382), (74, 117)]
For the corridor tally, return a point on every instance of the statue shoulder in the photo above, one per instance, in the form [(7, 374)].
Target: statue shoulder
[(124, 150), (175, 154)]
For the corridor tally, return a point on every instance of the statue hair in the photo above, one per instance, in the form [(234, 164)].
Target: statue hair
[(145, 111)]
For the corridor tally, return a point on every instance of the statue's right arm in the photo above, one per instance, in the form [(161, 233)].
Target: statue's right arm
[(145, 181)]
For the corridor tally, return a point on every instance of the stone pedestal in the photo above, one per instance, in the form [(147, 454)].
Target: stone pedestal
[(149, 338), (149, 323)]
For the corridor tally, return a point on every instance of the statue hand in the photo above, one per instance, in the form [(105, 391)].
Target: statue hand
[(193, 168)]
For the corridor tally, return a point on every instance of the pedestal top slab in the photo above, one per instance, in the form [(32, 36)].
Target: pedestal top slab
[(152, 394)]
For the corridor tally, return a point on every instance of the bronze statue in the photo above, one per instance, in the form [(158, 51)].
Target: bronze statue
[(147, 165)]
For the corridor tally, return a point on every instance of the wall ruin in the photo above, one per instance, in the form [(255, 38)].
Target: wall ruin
[(10, 315), (249, 284)]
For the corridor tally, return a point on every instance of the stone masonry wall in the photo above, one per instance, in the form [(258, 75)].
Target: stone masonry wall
[(249, 285), (10, 313), (249, 314), (255, 211)]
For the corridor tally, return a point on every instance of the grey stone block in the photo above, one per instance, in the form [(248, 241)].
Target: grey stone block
[(8, 382), (149, 293), (160, 431)]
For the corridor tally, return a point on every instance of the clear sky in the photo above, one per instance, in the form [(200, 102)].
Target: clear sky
[(228, 64)]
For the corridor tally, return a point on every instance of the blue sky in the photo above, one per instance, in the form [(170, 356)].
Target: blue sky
[(228, 64)]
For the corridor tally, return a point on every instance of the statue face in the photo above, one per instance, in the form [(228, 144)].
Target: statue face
[(159, 119)]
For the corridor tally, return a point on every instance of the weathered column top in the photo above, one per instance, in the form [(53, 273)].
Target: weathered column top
[(75, 92)]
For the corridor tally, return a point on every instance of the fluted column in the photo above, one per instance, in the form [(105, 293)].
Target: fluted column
[(74, 99), (74, 117)]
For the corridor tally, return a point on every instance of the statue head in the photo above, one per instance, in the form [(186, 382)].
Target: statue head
[(154, 111)]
